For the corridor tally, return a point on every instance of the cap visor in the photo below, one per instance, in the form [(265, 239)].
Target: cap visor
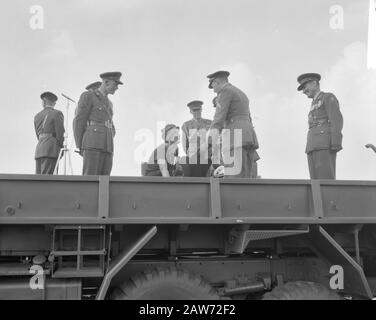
[(301, 87)]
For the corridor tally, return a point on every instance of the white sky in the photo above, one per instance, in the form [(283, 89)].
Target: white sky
[(165, 49)]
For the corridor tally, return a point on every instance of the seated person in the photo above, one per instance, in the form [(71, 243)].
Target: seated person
[(163, 161)]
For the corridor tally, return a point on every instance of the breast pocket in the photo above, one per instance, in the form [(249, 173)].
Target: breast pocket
[(99, 113), (95, 138)]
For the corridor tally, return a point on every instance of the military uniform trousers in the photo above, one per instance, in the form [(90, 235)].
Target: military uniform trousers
[(240, 162), (322, 164), (97, 163), (45, 165)]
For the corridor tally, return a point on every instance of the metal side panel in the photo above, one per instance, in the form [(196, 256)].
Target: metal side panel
[(149, 199), (54, 289), (348, 201), (266, 200), (355, 280), (34, 199), (48, 198)]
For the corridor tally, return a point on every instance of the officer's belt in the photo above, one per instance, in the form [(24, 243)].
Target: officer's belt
[(236, 118), (107, 124), (45, 135), (319, 123)]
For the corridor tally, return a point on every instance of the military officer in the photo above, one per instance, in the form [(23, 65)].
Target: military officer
[(192, 127), (49, 128), (93, 86), (233, 121), (93, 127), (325, 121), (194, 133)]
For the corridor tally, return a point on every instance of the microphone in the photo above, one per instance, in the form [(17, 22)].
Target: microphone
[(66, 97)]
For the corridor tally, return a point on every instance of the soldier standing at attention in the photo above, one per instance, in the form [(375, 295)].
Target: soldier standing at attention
[(233, 120), (194, 133), (93, 127), (325, 128), (49, 128), (192, 127)]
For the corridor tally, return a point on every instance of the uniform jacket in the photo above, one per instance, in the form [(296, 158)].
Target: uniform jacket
[(233, 114), (325, 124), (192, 125), (93, 106), (51, 122)]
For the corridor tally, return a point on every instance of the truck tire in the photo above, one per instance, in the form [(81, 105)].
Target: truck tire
[(166, 284), (302, 290)]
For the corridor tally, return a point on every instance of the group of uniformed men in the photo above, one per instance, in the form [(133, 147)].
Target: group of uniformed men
[(229, 136)]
